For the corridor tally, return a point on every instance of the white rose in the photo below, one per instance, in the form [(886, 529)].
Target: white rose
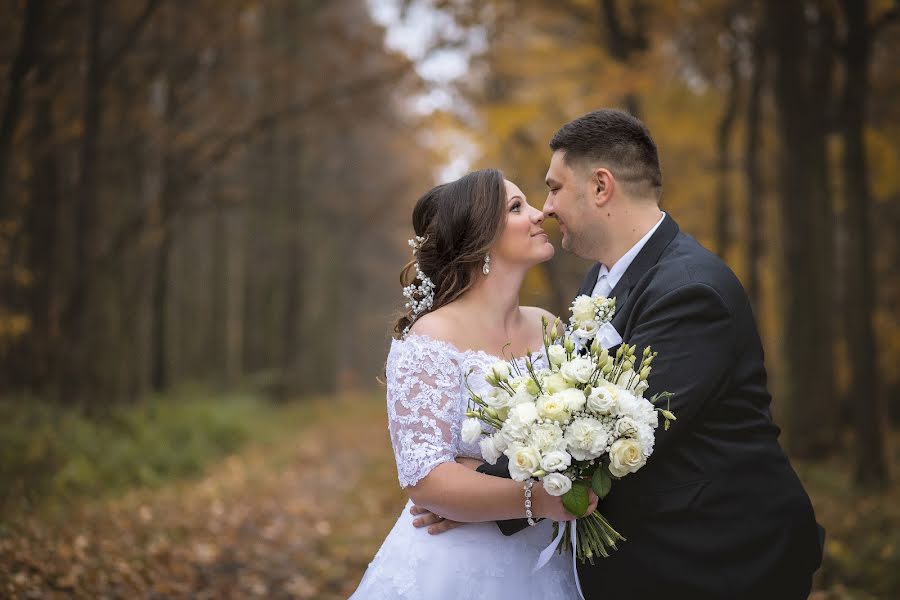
[(584, 309), (602, 400), (557, 484), (625, 456), (587, 438), (556, 354), (553, 408), (523, 462), (489, 450), (500, 370), (573, 398), (578, 370), (471, 430), (625, 427), (546, 437), (555, 383), (557, 460), (496, 398)]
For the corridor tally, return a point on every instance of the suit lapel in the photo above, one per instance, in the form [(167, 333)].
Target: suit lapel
[(590, 280)]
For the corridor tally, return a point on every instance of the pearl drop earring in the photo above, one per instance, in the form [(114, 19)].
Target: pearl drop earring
[(487, 264)]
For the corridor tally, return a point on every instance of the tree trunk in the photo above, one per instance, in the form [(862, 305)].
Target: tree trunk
[(25, 58), (753, 172), (623, 44), (41, 226), (723, 144), (82, 371), (871, 469), (809, 429)]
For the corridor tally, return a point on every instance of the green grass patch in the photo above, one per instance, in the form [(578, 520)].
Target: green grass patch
[(50, 453)]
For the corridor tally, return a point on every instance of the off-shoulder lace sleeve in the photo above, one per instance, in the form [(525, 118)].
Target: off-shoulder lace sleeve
[(424, 383)]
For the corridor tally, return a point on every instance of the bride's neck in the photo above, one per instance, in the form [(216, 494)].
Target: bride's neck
[(494, 299)]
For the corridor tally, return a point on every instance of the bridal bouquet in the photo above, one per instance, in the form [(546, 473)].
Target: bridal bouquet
[(578, 423)]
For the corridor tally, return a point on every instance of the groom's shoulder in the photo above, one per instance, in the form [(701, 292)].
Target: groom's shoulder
[(686, 262)]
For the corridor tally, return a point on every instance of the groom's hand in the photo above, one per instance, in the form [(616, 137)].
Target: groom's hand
[(434, 523)]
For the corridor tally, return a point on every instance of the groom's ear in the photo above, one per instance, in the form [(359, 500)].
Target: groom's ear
[(603, 183)]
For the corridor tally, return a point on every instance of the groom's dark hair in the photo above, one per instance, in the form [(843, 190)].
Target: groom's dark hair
[(615, 140)]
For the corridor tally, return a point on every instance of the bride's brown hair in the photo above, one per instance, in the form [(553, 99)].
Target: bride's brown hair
[(460, 221)]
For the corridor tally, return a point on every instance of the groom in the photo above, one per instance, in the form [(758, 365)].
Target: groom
[(717, 512)]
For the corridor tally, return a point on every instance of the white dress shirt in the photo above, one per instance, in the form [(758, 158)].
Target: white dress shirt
[(608, 278)]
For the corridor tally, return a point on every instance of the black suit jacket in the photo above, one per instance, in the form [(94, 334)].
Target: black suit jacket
[(718, 511)]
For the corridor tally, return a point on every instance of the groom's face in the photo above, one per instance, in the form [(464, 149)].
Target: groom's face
[(567, 203)]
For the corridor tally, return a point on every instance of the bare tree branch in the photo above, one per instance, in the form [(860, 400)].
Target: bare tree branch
[(128, 40)]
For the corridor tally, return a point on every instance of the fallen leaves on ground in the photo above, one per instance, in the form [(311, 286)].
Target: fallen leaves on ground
[(301, 518)]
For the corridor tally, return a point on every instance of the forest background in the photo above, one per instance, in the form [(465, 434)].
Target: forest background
[(204, 210)]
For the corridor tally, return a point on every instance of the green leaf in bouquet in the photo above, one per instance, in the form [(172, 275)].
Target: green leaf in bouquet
[(576, 499), (601, 482)]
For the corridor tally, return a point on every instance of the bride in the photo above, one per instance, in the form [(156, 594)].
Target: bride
[(475, 239)]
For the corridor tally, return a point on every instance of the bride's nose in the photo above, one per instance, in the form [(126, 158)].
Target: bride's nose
[(537, 216)]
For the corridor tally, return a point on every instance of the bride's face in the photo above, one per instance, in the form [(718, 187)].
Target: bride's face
[(523, 241)]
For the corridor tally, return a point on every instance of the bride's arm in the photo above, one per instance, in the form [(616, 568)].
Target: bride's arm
[(458, 493), (425, 384)]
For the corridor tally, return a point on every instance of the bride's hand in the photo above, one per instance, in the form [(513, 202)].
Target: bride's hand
[(434, 523), (551, 507)]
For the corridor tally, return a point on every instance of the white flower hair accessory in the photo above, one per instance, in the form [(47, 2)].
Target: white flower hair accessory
[(420, 297)]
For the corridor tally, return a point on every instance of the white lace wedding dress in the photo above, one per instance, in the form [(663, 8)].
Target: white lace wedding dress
[(426, 402)]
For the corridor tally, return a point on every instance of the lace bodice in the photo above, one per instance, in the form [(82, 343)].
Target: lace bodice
[(427, 400)]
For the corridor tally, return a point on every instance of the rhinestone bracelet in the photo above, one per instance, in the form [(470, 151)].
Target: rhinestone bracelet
[(528, 514)]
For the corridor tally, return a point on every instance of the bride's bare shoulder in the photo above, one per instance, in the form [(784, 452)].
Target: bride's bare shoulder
[(442, 324)]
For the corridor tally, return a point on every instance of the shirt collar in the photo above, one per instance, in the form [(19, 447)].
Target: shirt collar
[(618, 269)]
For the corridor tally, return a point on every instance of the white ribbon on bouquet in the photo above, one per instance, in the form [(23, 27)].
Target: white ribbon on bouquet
[(547, 553)]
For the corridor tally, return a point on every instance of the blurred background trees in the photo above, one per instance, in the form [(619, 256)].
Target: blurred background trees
[(205, 205), (221, 192)]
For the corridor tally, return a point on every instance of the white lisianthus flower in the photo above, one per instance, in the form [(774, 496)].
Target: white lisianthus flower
[(625, 456), (517, 381), (556, 354), (546, 437), (523, 462), (555, 383), (602, 400), (471, 430), (525, 413), (496, 398), (587, 329), (587, 438), (553, 408), (489, 450), (640, 388), (573, 399), (626, 427), (556, 484), (521, 396), (500, 369), (577, 370), (557, 460), (625, 377), (584, 309)]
